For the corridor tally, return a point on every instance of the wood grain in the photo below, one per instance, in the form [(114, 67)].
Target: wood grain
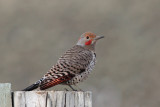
[(52, 99), (5, 95)]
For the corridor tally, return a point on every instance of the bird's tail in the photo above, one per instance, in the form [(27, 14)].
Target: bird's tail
[(31, 87)]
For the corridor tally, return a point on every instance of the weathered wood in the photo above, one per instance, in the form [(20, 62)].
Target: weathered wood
[(5, 95), (88, 99), (30, 99), (60, 95), (36, 98), (79, 99), (56, 99), (70, 96), (19, 99), (52, 99)]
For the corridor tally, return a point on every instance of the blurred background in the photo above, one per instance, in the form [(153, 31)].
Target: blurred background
[(35, 33)]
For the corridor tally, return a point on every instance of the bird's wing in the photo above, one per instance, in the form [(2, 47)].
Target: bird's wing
[(71, 63)]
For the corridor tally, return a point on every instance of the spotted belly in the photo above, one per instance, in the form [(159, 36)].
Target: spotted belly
[(82, 76)]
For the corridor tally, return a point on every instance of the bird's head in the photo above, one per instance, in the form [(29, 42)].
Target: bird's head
[(88, 40)]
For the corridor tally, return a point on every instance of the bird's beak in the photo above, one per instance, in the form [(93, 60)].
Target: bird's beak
[(99, 37)]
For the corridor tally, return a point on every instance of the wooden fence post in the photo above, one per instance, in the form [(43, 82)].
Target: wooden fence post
[(43, 98), (5, 95), (52, 99)]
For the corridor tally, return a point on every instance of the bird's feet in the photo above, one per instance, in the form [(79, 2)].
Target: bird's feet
[(79, 88), (66, 89), (72, 88)]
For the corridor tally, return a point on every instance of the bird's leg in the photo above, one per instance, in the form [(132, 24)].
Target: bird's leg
[(78, 87), (72, 88), (66, 89)]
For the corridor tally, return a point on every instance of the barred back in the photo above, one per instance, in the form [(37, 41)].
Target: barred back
[(74, 62)]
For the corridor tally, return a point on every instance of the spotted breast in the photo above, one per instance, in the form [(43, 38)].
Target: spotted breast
[(84, 73)]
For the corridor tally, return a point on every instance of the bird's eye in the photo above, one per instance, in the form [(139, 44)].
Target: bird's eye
[(87, 37)]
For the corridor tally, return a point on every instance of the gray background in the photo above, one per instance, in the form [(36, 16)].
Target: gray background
[(34, 34)]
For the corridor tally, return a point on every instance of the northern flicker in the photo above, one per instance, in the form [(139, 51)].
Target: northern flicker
[(73, 66)]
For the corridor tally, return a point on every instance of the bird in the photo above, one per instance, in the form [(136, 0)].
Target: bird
[(73, 66)]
